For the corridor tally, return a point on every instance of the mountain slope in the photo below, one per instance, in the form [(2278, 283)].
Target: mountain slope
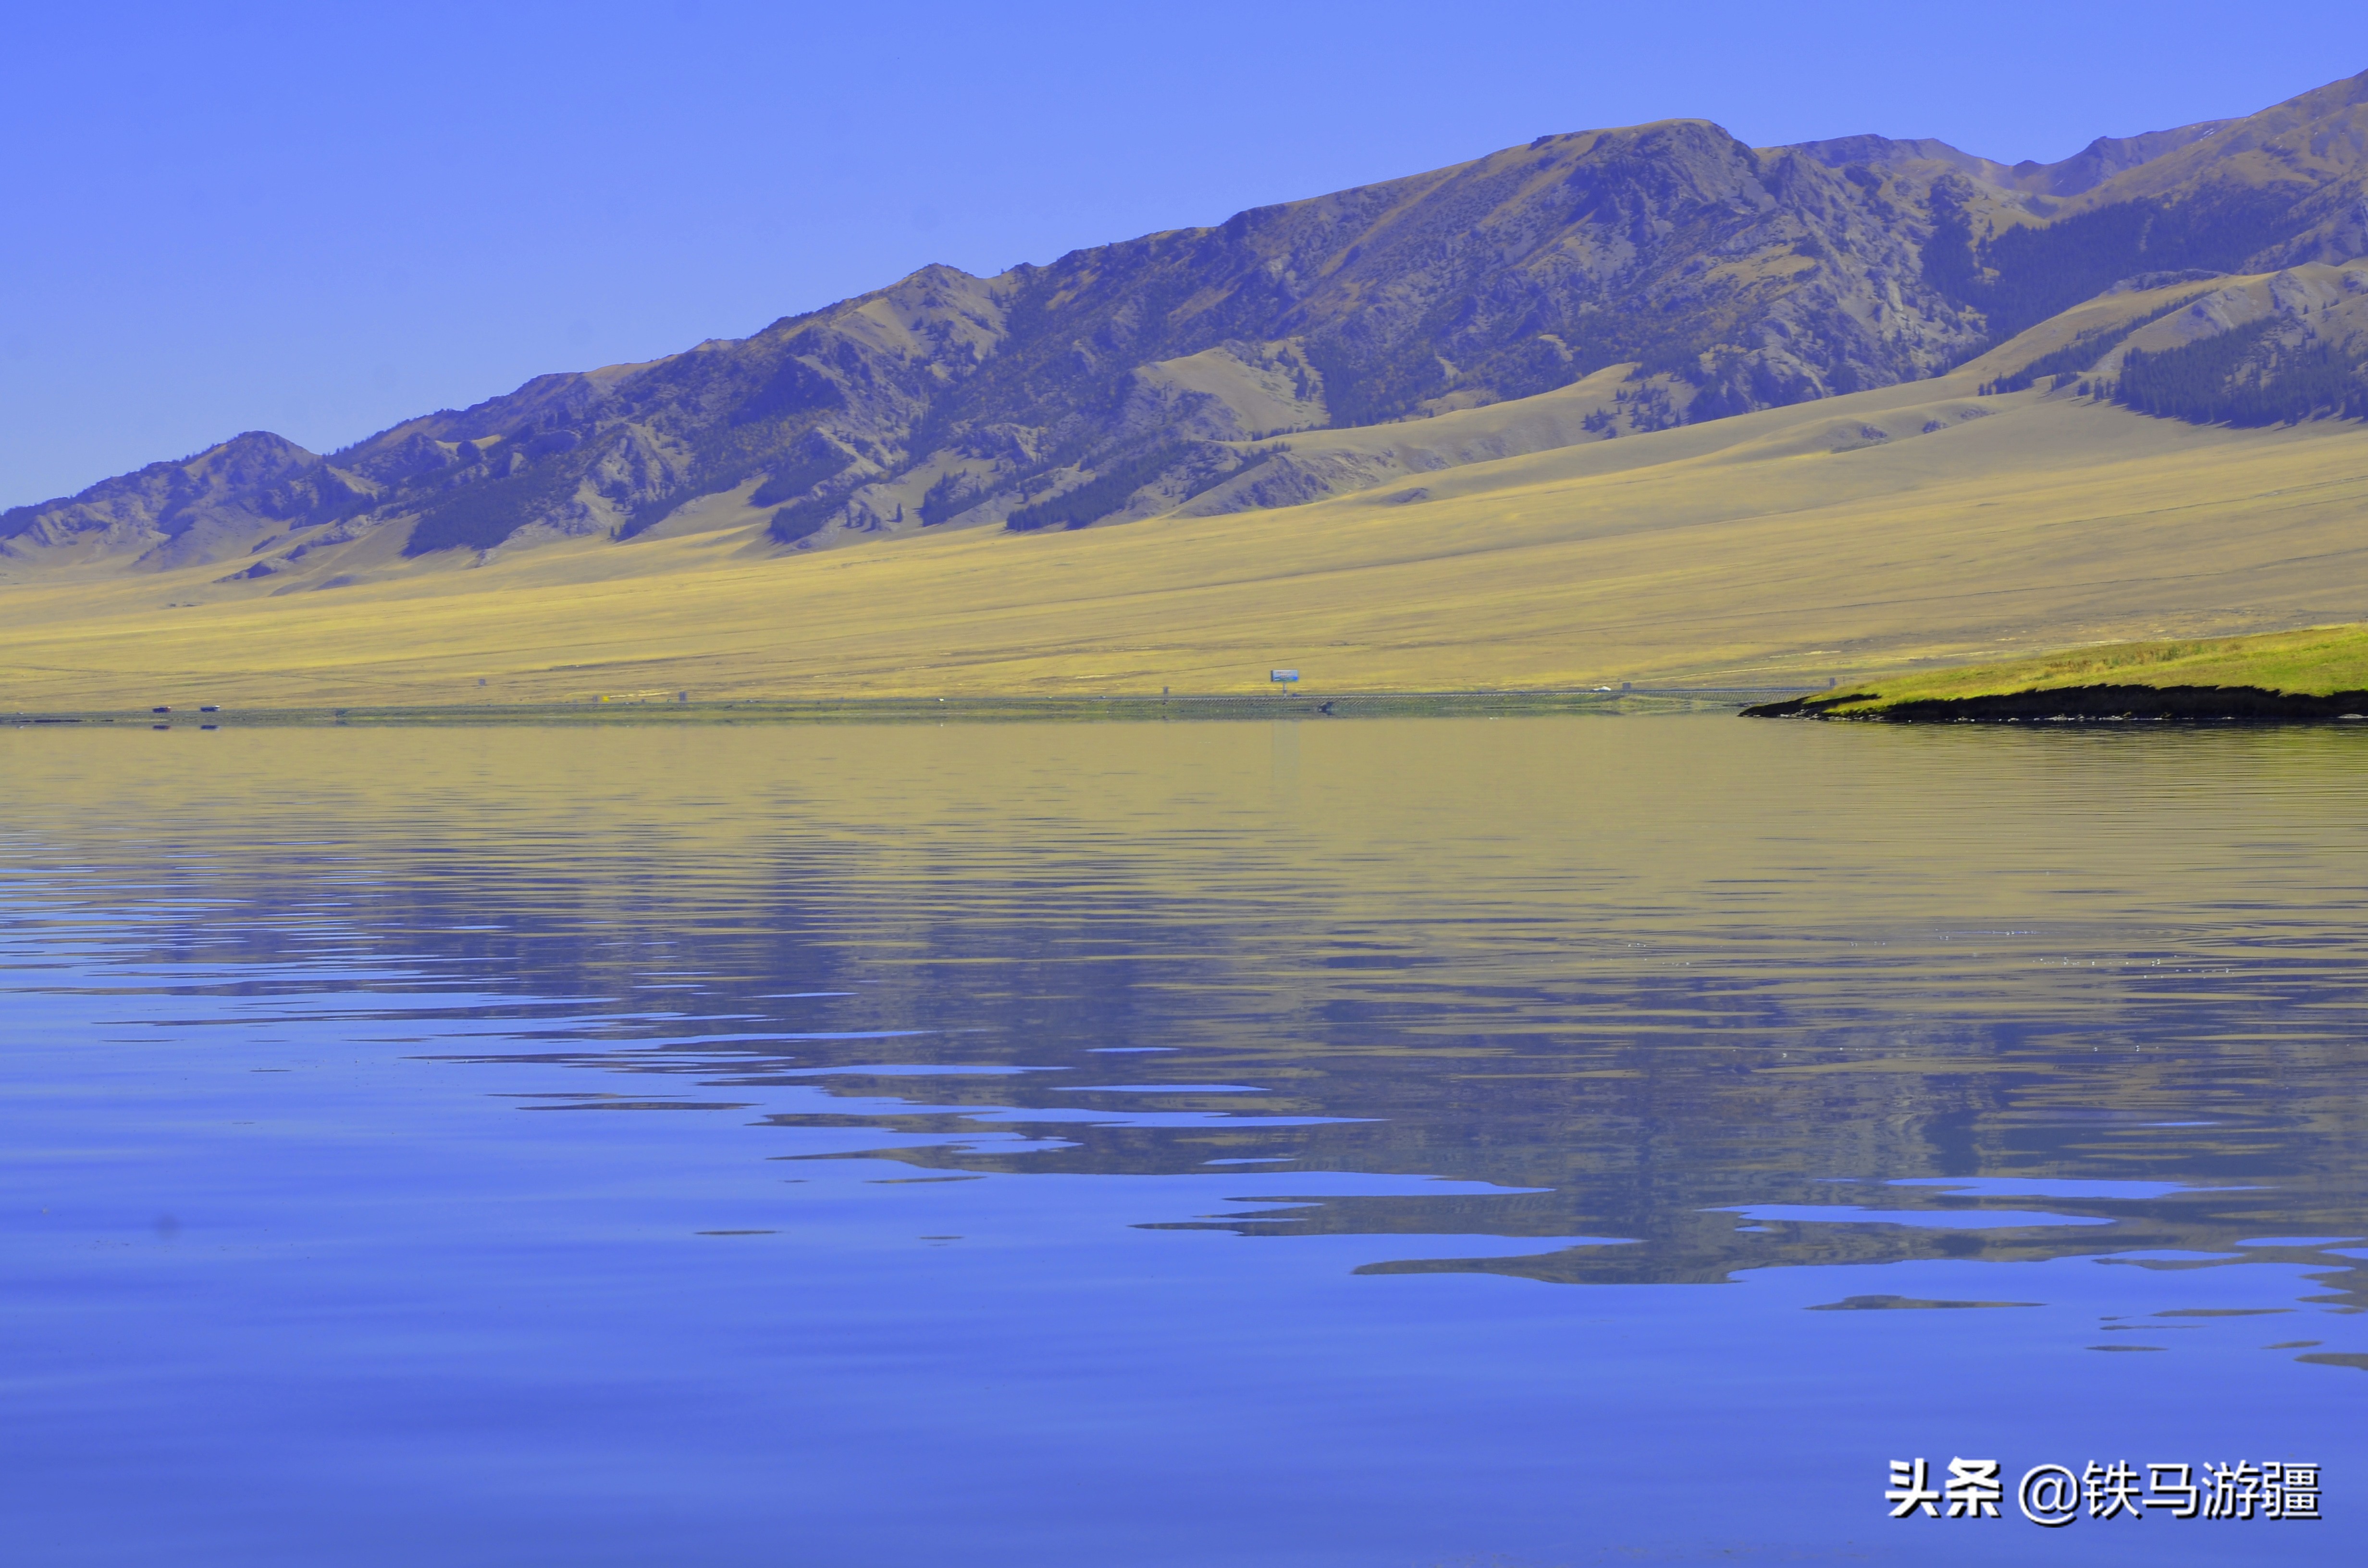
[(2275, 189), (176, 513), (1742, 277), (1611, 283), (1919, 522), (2029, 186), (2304, 161)]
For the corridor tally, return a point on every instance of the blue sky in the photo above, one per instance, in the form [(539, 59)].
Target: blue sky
[(321, 219)]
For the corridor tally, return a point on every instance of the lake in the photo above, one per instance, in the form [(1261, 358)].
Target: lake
[(1420, 1142)]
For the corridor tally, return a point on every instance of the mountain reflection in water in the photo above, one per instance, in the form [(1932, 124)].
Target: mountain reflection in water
[(1593, 1001)]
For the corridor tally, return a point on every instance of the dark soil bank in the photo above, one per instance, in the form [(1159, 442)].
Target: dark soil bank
[(2092, 704)]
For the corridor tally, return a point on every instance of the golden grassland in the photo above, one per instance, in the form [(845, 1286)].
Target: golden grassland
[(2317, 660), (1911, 527)]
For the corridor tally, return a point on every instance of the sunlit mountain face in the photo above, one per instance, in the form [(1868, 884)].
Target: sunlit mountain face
[(1694, 278)]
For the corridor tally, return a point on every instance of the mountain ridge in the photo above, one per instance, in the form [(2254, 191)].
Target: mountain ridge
[(1898, 527), (1646, 277)]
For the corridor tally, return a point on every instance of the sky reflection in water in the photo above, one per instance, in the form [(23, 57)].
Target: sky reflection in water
[(1537, 1141)]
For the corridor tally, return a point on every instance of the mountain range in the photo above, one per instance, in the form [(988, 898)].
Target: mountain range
[(1583, 288)]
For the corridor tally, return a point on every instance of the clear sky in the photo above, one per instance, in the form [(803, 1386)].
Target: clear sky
[(321, 219)]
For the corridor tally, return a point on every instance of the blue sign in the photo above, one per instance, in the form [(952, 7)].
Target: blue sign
[(1280, 676)]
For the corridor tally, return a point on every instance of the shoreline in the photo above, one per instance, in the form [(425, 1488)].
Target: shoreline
[(2098, 704), (925, 710)]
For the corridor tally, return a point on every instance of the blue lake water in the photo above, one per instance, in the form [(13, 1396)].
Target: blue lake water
[(1427, 1141)]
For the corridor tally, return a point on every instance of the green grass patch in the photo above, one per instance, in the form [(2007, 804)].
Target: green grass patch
[(2317, 662)]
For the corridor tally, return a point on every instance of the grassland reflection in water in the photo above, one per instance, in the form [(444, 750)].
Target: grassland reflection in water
[(1729, 995)]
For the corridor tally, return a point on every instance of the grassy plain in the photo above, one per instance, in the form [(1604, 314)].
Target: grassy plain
[(2315, 662), (1909, 527)]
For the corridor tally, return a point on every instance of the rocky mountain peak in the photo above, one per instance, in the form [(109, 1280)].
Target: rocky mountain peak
[(1656, 274)]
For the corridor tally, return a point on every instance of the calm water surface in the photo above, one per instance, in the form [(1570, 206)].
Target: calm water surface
[(1508, 1142)]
